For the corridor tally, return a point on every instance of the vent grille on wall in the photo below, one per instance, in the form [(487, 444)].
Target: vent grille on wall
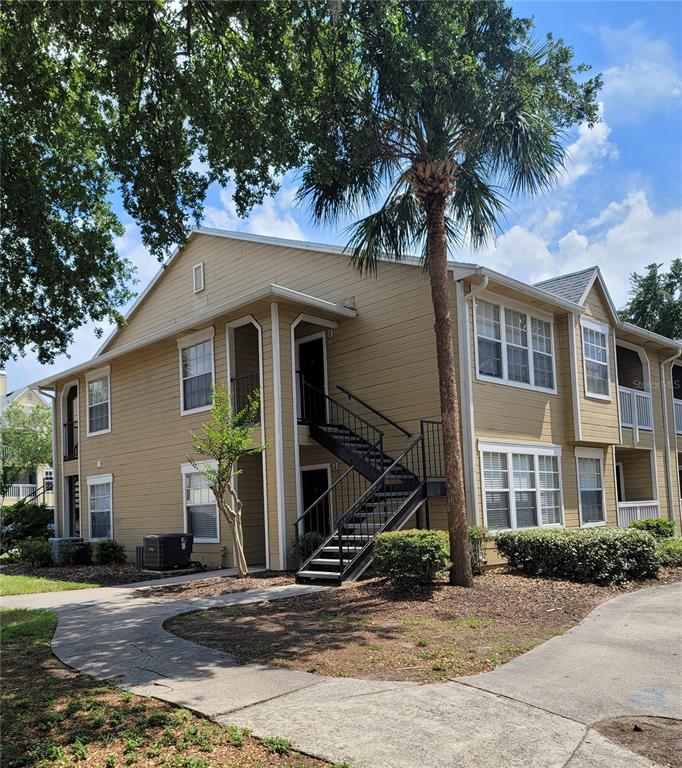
[(198, 277)]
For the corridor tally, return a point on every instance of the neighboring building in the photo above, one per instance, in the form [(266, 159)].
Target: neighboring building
[(37, 484), (569, 417)]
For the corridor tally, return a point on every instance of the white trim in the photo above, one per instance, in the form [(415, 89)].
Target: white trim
[(591, 453), (279, 436), (315, 320), (65, 389), (190, 339), (190, 469), (503, 304), (93, 480), (229, 336), (573, 363), (509, 446), (462, 305), (198, 285), (312, 467), (527, 449), (594, 325), (200, 337), (98, 373), (667, 430)]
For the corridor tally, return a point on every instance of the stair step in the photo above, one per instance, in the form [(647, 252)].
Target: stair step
[(319, 575), (345, 549), (325, 561)]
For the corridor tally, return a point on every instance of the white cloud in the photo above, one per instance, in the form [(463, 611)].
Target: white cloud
[(645, 77), (591, 146), (625, 237)]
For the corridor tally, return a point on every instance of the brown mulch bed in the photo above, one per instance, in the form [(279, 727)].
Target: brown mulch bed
[(106, 575), (218, 585), (53, 717), (365, 630), (656, 738)]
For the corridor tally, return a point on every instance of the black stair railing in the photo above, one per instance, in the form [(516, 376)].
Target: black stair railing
[(70, 439), (243, 388), (316, 408), (434, 458), (351, 396), (317, 522), (377, 508)]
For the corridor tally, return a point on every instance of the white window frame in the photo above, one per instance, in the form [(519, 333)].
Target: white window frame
[(190, 341), (533, 449), (504, 304), (101, 480), (591, 453), (198, 285), (100, 373), (190, 469), (606, 330)]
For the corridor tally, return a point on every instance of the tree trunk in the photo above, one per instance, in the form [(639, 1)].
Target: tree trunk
[(460, 569), (232, 512)]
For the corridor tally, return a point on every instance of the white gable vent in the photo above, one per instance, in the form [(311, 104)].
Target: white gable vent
[(198, 277)]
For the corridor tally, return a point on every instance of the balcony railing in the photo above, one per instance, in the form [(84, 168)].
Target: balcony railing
[(678, 416), (243, 387), (629, 511), (21, 490), (70, 440), (636, 410)]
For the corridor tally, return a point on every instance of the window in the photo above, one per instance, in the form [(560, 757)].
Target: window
[(513, 346), (198, 277), (201, 510), (98, 398), (196, 374), (99, 504), (591, 486), (596, 359), (48, 479), (521, 485)]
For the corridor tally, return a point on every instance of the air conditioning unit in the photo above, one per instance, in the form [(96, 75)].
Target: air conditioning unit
[(57, 542), (167, 551)]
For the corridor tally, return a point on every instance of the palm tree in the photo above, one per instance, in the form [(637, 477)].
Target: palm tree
[(459, 109)]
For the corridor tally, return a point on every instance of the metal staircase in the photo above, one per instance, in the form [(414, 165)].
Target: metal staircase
[(376, 493)]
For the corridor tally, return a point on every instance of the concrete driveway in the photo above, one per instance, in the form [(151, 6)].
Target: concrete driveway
[(535, 712)]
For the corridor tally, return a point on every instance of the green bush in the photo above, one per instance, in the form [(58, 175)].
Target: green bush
[(110, 552), (306, 544), (24, 521), (658, 527), (35, 552), (670, 552), (597, 555), (411, 558), (75, 553)]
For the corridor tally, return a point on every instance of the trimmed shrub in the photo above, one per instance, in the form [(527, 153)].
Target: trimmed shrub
[(35, 552), (75, 553), (24, 521), (658, 527), (411, 559), (670, 552), (597, 555), (110, 552)]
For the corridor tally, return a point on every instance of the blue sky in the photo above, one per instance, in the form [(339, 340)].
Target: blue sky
[(619, 204)]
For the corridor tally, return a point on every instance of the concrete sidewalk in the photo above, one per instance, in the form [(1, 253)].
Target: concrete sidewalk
[(532, 713)]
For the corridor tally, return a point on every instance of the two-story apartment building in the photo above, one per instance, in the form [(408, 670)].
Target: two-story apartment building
[(569, 417)]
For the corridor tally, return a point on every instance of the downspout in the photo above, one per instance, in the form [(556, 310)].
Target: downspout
[(52, 394), (666, 428), (466, 390)]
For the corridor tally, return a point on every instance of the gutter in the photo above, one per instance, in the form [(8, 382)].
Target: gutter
[(666, 428)]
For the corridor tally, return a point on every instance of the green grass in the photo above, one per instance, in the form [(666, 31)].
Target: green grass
[(54, 717), (26, 585)]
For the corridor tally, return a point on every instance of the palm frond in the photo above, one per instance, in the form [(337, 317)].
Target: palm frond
[(393, 231), (476, 204)]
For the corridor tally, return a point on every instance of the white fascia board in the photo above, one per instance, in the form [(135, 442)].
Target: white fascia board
[(244, 299)]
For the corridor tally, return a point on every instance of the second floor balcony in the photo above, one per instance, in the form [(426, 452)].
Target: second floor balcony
[(636, 411), (678, 416), (70, 440)]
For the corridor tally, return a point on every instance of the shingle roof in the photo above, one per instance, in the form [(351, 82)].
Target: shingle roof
[(571, 287)]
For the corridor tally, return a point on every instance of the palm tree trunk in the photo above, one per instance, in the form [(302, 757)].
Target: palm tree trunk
[(460, 569)]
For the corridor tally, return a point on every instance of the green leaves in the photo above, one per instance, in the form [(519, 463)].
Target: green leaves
[(25, 440), (656, 300)]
